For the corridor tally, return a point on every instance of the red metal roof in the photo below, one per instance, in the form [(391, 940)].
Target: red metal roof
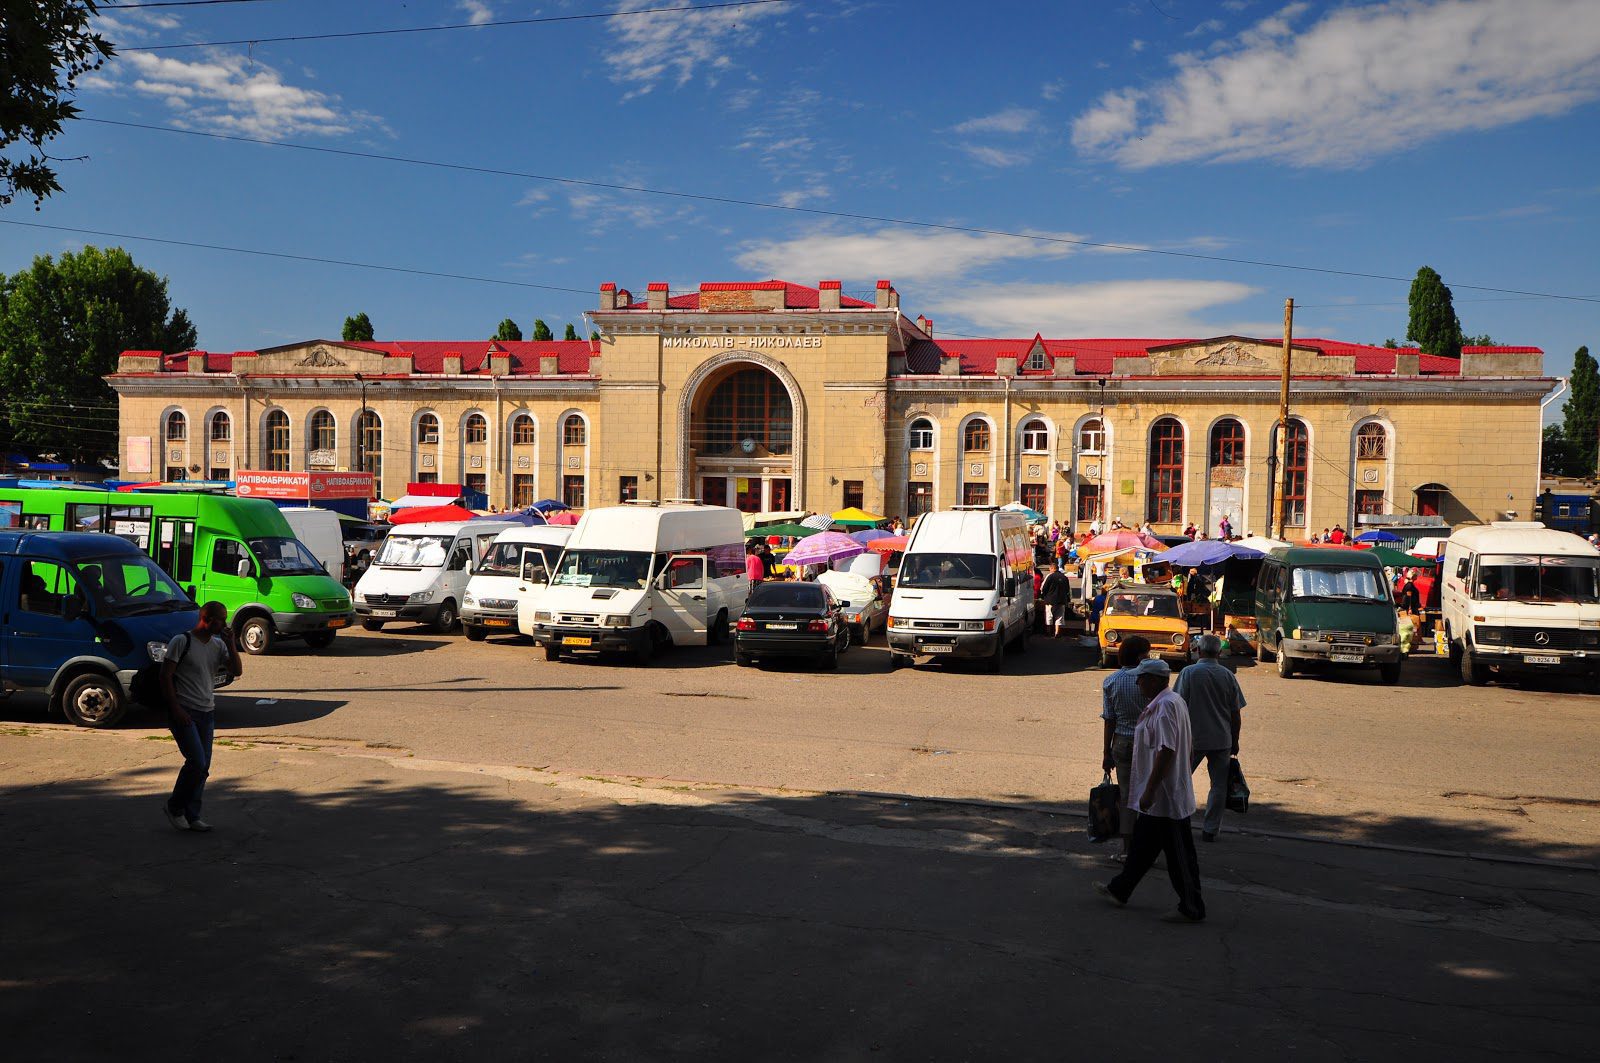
[(795, 296)]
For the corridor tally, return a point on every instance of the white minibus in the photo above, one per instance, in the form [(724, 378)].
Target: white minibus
[(421, 571), (520, 560)]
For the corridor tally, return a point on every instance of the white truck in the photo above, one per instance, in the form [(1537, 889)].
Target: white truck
[(320, 532), (641, 576), (520, 560), (421, 571), (965, 588), (1520, 598)]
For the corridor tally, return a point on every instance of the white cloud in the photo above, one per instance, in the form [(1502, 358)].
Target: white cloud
[(1010, 120), (994, 156), (1525, 210), (669, 45), (231, 93), (1105, 308), (900, 254), (1210, 25), (1136, 46), (1051, 90), (477, 11), (1362, 82)]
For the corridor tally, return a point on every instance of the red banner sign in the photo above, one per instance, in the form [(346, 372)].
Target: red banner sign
[(303, 486)]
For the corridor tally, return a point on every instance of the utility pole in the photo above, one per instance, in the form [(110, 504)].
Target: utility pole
[(1281, 451)]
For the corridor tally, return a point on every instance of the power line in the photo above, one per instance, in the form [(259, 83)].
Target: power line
[(498, 23), (735, 201), (177, 3)]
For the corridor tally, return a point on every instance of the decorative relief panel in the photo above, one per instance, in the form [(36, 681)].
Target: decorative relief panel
[(524, 462)]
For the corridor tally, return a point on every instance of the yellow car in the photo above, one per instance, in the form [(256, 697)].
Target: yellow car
[(1142, 609)]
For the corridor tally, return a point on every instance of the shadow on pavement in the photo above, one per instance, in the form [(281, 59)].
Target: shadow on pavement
[(374, 918)]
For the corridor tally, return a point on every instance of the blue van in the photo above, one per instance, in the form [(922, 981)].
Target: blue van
[(81, 613)]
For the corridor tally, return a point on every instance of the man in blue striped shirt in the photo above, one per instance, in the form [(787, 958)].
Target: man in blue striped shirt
[(1121, 703)]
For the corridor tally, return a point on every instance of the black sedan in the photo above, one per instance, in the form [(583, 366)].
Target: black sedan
[(791, 620)]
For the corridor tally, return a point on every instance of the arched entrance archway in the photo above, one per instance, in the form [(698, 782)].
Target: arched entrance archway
[(743, 434)]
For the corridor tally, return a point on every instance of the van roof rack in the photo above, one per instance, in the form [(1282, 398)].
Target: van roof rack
[(656, 503), (977, 509)]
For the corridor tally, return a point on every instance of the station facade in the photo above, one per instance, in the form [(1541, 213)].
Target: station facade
[(777, 396)]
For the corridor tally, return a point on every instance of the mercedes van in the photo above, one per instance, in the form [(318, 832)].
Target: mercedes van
[(82, 614), (420, 574), (641, 576), (1329, 606), (965, 588), (520, 560), (1521, 598)]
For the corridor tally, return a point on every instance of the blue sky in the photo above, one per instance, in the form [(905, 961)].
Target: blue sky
[(1363, 137)]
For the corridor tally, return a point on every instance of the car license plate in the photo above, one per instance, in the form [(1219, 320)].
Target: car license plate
[(577, 640), (496, 621), (782, 627), (938, 649), (1541, 660), (339, 622), (384, 612), (1347, 658)]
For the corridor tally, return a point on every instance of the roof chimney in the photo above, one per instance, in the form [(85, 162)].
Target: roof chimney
[(608, 296), (657, 296), (884, 298), (828, 293), (451, 363)]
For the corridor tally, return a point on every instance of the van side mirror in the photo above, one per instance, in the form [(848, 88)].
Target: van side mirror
[(245, 569), (1461, 568), (458, 561)]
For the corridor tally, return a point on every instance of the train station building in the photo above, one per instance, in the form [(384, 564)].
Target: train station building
[(777, 396)]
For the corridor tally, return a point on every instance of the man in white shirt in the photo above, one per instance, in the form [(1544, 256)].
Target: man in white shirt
[(1163, 795)]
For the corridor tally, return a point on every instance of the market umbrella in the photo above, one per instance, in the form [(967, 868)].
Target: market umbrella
[(892, 545), (1261, 543), (817, 522), (1396, 559), (1120, 540), (866, 535), (856, 518), (1378, 536), (548, 505), (823, 548), (424, 514), (1031, 515), (788, 531), (566, 518), (1205, 552), (528, 518)]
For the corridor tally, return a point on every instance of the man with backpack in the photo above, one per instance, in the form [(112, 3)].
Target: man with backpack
[(1054, 592), (188, 686)]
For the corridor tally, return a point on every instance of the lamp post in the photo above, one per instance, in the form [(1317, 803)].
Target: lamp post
[(1105, 455), (361, 426)]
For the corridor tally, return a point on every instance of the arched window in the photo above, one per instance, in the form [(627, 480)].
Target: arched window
[(1227, 443), (1372, 442), (921, 434), (427, 428), (1166, 472), (1092, 436), (476, 430), (750, 404), (574, 432), (522, 430), (369, 444), (1035, 437), (177, 427), (1297, 466), (221, 428), (277, 441), (975, 436), (324, 434)]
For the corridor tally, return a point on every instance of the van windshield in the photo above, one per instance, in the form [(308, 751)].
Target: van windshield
[(502, 559), (1530, 578), (1337, 583), (414, 551), (624, 569), (285, 557), (959, 572), (130, 586), (1162, 605)]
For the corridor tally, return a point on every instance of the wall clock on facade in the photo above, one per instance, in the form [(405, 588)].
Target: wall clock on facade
[(747, 445)]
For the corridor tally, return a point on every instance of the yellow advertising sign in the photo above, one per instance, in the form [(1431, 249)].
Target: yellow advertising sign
[(744, 484)]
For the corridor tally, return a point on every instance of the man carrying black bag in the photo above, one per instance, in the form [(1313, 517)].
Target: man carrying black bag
[(1214, 699)]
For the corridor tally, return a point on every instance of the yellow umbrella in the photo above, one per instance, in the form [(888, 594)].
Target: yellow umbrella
[(857, 518)]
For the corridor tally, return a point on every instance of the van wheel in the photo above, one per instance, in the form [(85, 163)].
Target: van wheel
[(898, 661), (1285, 666), (1389, 673), (647, 649), (372, 625), (1263, 655), (997, 659), (552, 653), (1472, 673), (717, 633), (320, 640), (445, 622), (93, 700), (256, 636), (1455, 648), (474, 632)]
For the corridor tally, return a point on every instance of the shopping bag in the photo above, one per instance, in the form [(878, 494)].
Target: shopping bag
[(1103, 818), (1238, 789)]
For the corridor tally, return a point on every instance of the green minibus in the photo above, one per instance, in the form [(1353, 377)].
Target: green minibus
[(237, 551)]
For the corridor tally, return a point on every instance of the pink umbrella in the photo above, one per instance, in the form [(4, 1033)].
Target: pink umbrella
[(888, 545), (566, 517), (1120, 540), (823, 548), (423, 514)]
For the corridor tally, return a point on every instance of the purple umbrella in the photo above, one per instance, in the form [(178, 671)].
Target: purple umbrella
[(823, 548), (866, 535)]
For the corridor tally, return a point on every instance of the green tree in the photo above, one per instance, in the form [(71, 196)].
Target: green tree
[(1580, 414), (572, 332), (594, 334), (1483, 339), (63, 323), (541, 331), (1433, 325), (1556, 457), (508, 330), (358, 329), (47, 46)]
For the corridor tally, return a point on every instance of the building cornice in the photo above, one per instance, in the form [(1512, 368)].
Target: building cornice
[(393, 389), (1091, 390)]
